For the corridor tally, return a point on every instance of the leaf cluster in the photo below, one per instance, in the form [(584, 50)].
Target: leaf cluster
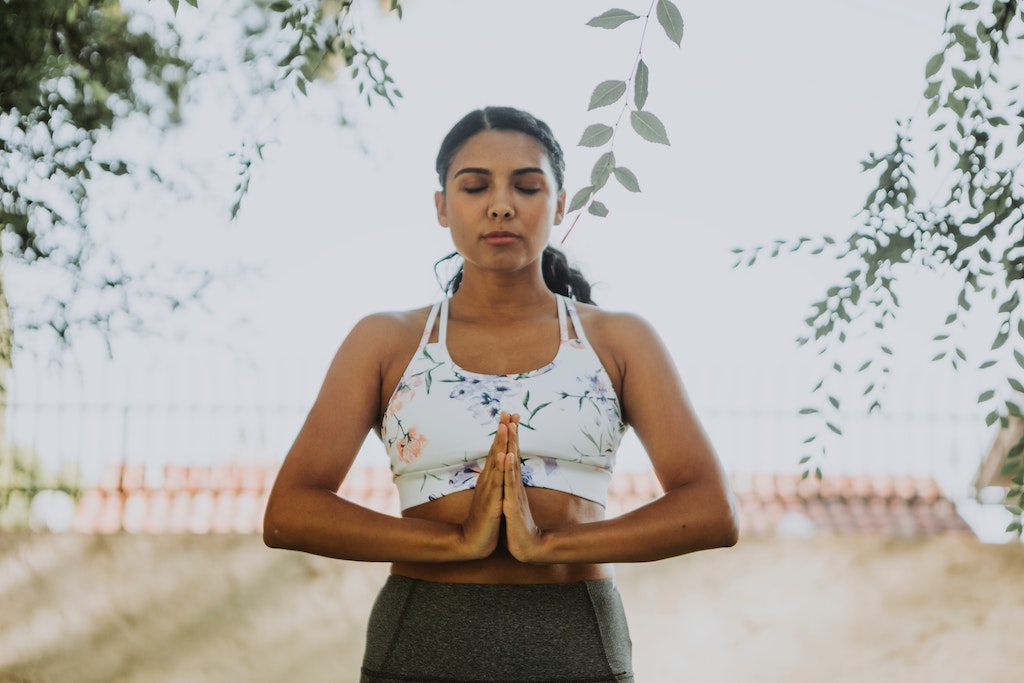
[(632, 93), (969, 225), (73, 72), (70, 70), (324, 40)]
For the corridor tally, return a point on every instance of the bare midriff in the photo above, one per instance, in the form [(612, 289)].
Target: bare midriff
[(551, 509)]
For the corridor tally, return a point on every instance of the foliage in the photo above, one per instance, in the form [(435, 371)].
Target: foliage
[(644, 123), (69, 70), (22, 475), (73, 75), (962, 218)]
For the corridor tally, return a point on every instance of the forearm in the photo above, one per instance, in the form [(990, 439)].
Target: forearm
[(682, 521), (320, 522)]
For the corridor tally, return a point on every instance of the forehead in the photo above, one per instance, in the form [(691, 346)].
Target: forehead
[(501, 149)]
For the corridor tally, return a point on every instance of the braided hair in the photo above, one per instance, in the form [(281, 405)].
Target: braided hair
[(559, 276)]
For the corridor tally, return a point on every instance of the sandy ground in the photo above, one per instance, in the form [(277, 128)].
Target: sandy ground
[(223, 608)]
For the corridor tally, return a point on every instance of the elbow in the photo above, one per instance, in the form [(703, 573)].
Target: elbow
[(723, 527), (729, 525), (274, 535), (730, 533)]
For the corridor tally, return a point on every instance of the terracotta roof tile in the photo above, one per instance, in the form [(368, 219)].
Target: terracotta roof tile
[(231, 498)]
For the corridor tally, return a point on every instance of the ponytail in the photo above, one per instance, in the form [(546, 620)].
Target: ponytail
[(560, 277)]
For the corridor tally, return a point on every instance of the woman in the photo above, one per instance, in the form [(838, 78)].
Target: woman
[(501, 409)]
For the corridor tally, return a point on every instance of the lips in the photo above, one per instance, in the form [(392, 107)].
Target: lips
[(500, 237)]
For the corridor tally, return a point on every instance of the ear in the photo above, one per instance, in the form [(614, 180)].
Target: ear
[(560, 208), (442, 209)]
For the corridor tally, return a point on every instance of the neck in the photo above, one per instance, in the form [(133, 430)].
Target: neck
[(503, 294)]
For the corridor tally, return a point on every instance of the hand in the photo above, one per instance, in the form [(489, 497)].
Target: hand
[(481, 528), (522, 535)]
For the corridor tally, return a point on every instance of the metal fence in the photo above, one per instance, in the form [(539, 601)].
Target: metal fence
[(220, 412)]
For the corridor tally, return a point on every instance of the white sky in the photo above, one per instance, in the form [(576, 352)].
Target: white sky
[(769, 107)]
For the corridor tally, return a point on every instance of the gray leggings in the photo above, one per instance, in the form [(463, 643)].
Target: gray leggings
[(425, 632)]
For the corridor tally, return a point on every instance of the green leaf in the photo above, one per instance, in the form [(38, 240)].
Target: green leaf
[(992, 418), (1019, 357), (987, 364), (808, 411), (640, 83), (602, 170), (1015, 383), (834, 428), (671, 20), (934, 64), (174, 6), (649, 127), (626, 178), (580, 198), (598, 209), (613, 18), (606, 93), (280, 6), (962, 78), (834, 401), (986, 396), (596, 135), (194, 3)]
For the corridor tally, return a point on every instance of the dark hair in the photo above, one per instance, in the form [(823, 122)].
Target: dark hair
[(499, 118), (559, 276)]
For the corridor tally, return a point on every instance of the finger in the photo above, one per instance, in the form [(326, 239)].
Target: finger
[(513, 436), (500, 443)]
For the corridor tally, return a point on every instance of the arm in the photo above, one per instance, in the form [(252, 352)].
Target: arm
[(304, 511), (696, 511)]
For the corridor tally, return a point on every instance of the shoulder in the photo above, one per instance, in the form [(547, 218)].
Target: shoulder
[(386, 325), (384, 342), (615, 330), (623, 341)]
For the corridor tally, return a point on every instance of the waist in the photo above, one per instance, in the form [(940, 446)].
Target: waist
[(505, 570), (550, 509)]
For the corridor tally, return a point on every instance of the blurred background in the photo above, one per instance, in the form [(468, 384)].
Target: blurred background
[(139, 449)]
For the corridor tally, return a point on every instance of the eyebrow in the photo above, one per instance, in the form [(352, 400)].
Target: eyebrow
[(484, 171)]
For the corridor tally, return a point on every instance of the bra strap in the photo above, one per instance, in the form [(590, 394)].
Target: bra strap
[(442, 326), (576, 325), (563, 326), (429, 327)]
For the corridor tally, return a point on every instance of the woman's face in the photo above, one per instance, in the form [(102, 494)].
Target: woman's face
[(500, 200)]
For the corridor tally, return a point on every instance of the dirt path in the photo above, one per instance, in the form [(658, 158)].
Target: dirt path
[(222, 608)]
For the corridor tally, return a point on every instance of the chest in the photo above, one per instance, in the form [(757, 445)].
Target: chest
[(507, 349)]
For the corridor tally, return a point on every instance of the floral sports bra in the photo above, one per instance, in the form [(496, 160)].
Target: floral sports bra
[(441, 420)]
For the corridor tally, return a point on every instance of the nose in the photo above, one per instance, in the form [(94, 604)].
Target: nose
[(501, 207)]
